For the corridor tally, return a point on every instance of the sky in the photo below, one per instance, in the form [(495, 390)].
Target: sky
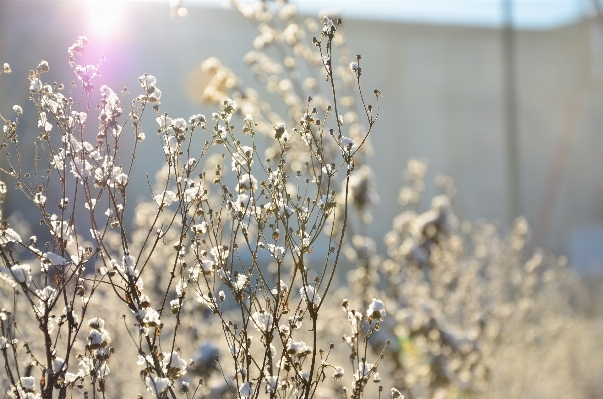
[(529, 14)]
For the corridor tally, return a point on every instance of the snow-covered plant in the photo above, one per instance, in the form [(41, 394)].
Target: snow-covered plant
[(221, 280), (460, 292), (237, 243)]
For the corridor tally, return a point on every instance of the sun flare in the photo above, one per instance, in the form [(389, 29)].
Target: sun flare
[(104, 16)]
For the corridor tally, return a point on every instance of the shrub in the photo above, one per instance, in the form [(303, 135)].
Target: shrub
[(211, 261), (222, 283)]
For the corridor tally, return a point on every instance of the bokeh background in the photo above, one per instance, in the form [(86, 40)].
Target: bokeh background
[(506, 97)]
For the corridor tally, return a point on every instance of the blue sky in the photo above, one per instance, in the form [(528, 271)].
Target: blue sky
[(535, 14)]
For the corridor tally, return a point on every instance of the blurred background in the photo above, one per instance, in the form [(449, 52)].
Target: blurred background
[(506, 97)]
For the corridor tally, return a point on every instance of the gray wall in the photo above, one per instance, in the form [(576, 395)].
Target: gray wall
[(444, 100)]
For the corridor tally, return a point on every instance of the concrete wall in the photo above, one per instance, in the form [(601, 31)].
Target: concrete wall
[(444, 99)]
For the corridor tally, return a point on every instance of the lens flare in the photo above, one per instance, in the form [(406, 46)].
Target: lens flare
[(104, 16)]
